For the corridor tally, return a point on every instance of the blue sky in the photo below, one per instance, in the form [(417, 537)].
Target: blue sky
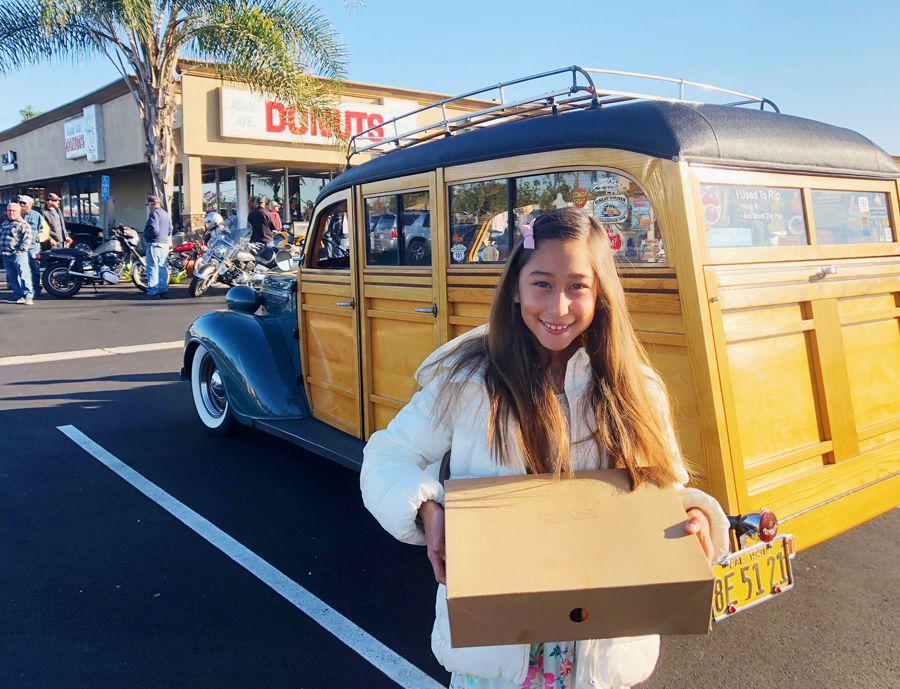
[(826, 60)]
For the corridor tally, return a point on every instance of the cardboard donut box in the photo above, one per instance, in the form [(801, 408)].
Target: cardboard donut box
[(535, 559)]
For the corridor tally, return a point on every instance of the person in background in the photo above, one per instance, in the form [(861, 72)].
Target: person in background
[(15, 240), (275, 212), (156, 238), (34, 219), (261, 225), (54, 217)]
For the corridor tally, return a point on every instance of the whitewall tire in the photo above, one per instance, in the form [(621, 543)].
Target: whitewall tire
[(210, 397)]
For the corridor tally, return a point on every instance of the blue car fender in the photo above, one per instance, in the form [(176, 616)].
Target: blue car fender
[(254, 363)]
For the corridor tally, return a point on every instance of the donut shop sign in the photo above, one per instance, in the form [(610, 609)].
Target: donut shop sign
[(246, 115)]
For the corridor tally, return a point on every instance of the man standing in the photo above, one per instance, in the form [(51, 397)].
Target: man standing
[(54, 217), (15, 240), (34, 219), (260, 221), (156, 239), (275, 211)]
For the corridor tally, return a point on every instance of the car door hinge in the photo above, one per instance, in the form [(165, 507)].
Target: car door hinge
[(294, 287), (300, 379), (296, 333)]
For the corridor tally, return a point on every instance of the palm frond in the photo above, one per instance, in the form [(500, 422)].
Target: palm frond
[(283, 47), (35, 31)]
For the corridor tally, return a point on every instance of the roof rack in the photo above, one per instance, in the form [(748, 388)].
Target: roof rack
[(575, 97)]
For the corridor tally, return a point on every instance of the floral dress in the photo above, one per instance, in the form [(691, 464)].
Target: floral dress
[(550, 666)]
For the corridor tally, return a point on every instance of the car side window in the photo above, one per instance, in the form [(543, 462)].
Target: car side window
[(398, 230), (332, 238), (486, 216)]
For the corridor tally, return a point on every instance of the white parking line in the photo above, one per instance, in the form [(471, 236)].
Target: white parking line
[(88, 353), (394, 666)]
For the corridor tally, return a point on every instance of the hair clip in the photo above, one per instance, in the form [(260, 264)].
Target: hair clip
[(528, 234)]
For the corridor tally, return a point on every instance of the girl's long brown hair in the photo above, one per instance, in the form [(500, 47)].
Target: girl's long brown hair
[(628, 420)]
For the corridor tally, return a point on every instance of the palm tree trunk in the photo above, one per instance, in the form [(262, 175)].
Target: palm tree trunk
[(159, 142), (156, 107)]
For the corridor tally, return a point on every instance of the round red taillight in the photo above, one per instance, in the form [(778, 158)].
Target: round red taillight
[(768, 526)]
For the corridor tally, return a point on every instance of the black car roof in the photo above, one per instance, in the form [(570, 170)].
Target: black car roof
[(714, 134)]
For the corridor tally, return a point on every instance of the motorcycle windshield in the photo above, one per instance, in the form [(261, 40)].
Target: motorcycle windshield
[(227, 241)]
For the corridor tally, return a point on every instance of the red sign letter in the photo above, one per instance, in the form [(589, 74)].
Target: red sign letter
[(292, 122), (359, 118), (271, 109), (377, 134)]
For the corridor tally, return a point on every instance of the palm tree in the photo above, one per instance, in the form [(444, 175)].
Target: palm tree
[(285, 47)]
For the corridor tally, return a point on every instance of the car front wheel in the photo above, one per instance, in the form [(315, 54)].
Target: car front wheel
[(210, 397)]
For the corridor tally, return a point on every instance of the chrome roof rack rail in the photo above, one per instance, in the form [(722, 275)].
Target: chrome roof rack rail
[(577, 96)]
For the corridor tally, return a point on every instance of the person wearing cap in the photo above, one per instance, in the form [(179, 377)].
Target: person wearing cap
[(156, 238), (34, 219), (261, 223), (54, 217), (15, 240), (275, 212)]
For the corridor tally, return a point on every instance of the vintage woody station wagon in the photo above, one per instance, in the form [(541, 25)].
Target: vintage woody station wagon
[(758, 252)]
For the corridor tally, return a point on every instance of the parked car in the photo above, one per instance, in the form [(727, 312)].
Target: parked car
[(326, 358), (84, 237), (417, 241), (383, 236)]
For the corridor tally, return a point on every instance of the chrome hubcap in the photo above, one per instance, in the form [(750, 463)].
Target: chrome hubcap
[(212, 388)]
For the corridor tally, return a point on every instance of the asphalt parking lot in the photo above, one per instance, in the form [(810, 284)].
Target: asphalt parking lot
[(103, 587)]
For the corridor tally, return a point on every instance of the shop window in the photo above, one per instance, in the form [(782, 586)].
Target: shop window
[(851, 217), (226, 198), (398, 230), (753, 216), (267, 184), (208, 191), (480, 212), (82, 203), (332, 238), (177, 201), (302, 193)]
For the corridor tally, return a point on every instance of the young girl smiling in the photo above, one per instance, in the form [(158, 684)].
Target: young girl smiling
[(556, 382)]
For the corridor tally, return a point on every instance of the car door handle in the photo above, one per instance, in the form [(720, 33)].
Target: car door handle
[(432, 310), (351, 303)]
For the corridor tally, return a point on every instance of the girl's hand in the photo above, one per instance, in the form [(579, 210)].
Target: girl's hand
[(432, 515), (699, 524)]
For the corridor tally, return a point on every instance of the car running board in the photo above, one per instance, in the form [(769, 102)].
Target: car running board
[(317, 436)]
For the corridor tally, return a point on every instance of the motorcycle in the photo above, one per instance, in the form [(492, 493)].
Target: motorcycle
[(68, 269), (181, 261), (184, 257), (232, 260)]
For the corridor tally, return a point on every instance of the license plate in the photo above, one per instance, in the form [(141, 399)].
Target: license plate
[(753, 575)]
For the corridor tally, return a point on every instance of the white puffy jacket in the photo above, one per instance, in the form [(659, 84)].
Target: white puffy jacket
[(399, 473)]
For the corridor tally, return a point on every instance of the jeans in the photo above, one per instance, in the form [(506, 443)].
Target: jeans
[(35, 266), (157, 271), (18, 276)]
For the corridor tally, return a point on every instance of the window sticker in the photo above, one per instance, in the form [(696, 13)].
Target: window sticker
[(611, 210), (753, 216), (640, 213), (844, 217)]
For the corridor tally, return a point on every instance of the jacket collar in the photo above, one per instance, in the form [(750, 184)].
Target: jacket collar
[(578, 368)]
